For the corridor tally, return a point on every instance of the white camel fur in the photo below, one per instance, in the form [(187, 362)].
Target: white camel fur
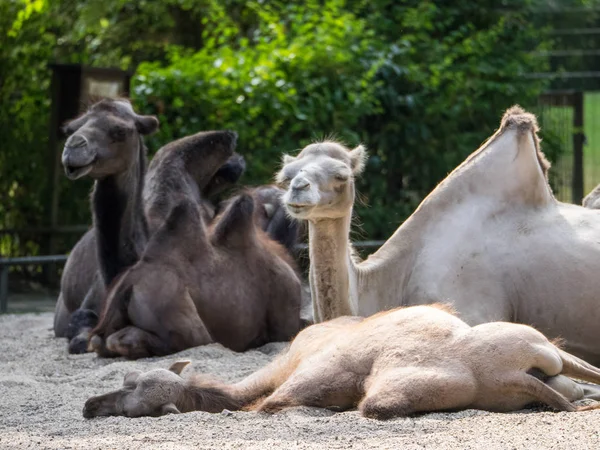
[(490, 239), (396, 363)]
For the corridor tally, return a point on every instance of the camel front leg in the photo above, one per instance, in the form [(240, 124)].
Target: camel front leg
[(134, 343), (411, 390)]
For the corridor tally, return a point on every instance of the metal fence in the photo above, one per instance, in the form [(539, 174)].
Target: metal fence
[(7, 263)]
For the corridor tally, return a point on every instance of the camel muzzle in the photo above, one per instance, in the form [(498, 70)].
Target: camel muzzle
[(77, 157)]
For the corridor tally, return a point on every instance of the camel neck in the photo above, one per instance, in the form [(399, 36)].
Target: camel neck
[(119, 222), (330, 267)]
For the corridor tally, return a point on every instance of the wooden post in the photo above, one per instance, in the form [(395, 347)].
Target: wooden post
[(54, 181), (578, 139), (3, 289)]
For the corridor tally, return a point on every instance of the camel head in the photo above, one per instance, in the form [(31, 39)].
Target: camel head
[(153, 393), (319, 182), (105, 140)]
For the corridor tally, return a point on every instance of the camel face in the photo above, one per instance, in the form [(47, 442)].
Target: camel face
[(104, 140), (319, 182), (153, 393)]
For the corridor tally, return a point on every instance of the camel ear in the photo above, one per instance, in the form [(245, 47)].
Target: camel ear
[(72, 126), (178, 366), (288, 159), (169, 408), (131, 378), (358, 159), (146, 124)]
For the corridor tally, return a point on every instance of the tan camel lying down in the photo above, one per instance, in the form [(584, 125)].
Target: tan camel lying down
[(395, 363)]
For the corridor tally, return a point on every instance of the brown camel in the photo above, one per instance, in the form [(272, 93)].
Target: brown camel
[(396, 363), (226, 282), (82, 288), (106, 144)]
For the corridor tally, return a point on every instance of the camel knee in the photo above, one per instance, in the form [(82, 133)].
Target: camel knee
[(81, 319), (126, 344), (275, 404), (380, 408), (571, 390)]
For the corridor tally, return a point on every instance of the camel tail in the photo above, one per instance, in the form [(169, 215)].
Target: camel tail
[(577, 368)]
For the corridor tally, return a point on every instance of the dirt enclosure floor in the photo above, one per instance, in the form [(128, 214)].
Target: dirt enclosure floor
[(43, 389)]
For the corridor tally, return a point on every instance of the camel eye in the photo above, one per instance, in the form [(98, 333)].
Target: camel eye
[(118, 133), (284, 182), (341, 177)]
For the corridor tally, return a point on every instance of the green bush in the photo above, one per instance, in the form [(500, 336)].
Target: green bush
[(421, 83), (291, 83)]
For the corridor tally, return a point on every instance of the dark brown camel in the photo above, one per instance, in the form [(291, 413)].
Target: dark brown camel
[(82, 288), (106, 144), (196, 283)]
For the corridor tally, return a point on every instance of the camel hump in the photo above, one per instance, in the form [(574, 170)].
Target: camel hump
[(236, 225), (183, 230), (183, 214), (517, 117)]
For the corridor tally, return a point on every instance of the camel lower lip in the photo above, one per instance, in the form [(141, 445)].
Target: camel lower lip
[(298, 208), (77, 172)]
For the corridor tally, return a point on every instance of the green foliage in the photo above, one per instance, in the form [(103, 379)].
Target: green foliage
[(422, 83), (291, 83)]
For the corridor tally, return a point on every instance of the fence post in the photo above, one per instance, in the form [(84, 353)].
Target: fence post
[(3, 288), (578, 139)]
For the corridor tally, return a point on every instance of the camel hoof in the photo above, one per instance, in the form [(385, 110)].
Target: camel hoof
[(78, 345)]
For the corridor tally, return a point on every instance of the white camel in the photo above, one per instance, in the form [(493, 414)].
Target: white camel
[(491, 239)]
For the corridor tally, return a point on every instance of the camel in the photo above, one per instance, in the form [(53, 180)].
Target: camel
[(592, 200), (198, 154), (192, 275), (271, 215), (82, 289), (106, 144), (396, 363), (491, 239)]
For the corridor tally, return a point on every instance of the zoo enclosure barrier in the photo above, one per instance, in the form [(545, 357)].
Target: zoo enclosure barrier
[(7, 263)]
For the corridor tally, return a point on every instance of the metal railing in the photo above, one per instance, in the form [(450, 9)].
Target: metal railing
[(6, 263)]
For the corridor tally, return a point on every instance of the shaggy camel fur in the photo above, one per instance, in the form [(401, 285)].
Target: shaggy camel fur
[(193, 275), (82, 287), (491, 239), (592, 200), (396, 363), (106, 144)]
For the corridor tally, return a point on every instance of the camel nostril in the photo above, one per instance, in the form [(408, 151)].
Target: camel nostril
[(76, 141), (301, 186)]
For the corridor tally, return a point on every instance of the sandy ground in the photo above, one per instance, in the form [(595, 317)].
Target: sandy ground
[(43, 389)]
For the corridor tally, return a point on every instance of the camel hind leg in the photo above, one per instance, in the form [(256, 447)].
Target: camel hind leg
[(524, 384), (402, 392)]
